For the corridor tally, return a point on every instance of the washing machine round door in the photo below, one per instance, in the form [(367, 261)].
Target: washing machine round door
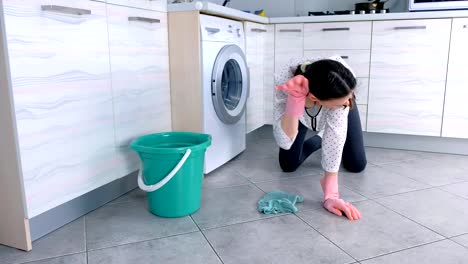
[(230, 84)]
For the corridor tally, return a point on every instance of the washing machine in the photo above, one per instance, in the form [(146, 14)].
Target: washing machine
[(225, 88)]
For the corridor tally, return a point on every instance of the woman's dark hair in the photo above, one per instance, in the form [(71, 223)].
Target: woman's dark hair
[(328, 79)]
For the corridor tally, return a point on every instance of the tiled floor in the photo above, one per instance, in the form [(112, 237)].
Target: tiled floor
[(414, 209)]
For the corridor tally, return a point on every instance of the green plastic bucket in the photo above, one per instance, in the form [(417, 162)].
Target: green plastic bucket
[(172, 171)]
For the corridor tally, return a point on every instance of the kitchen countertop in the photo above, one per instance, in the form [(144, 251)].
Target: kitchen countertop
[(370, 17), (218, 10)]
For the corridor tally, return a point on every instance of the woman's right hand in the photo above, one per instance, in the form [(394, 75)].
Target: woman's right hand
[(298, 86), (338, 207), (297, 89)]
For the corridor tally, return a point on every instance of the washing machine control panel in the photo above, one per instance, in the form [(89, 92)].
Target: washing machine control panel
[(221, 29)]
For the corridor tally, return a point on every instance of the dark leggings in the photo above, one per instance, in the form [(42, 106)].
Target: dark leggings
[(354, 155)]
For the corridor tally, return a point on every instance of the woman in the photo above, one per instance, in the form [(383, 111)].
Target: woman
[(319, 96)]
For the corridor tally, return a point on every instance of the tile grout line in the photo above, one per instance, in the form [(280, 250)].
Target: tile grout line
[(206, 239), (400, 250), (325, 237), (54, 257), (141, 241), (85, 234), (245, 222), (85, 239)]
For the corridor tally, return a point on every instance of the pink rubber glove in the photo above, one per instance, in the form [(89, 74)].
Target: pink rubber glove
[(332, 201), (297, 89)]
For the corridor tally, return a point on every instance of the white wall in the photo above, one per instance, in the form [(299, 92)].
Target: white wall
[(281, 8)]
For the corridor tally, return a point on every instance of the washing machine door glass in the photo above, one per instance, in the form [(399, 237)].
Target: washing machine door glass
[(230, 84)]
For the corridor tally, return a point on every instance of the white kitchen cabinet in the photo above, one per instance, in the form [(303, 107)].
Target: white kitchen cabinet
[(156, 5), (337, 35), (455, 121), (289, 43), (59, 60), (255, 47), (139, 62), (407, 76)]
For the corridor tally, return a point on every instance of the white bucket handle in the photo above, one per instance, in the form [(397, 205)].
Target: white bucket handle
[(154, 187)]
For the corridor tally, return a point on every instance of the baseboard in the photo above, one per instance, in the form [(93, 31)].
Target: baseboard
[(55, 218), (417, 143)]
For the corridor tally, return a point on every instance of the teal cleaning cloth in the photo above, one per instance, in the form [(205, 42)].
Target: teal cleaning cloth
[(279, 202)]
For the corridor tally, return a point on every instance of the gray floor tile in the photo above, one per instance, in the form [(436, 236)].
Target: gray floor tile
[(262, 149), (448, 159), (460, 189), (189, 248), (122, 223), (445, 251), (66, 240), (230, 205), (277, 240), (378, 232), (136, 195), (376, 182), (462, 240), (309, 188), (440, 211), (429, 171), (70, 259), (378, 156), (269, 169), (224, 176), (264, 133)]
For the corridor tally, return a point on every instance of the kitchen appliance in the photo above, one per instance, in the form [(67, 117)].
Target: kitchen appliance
[(371, 7), (425, 5), (225, 88)]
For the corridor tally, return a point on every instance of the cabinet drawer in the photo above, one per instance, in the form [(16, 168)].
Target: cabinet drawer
[(358, 60), (156, 5), (406, 106), (411, 35), (288, 43), (340, 35)]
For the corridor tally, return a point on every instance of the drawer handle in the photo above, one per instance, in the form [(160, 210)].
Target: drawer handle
[(258, 30), (336, 29), (465, 26), (144, 19), (66, 10), (410, 27), (290, 30), (212, 30), (345, 57)]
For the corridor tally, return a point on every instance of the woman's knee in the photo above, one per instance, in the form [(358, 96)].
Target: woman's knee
[(356, 166)]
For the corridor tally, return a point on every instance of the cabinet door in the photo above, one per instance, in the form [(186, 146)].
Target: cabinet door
[(407, 76), (255, 36), (59, 59), (140, 74), (288, 43), (455, 123), (156, 5)]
